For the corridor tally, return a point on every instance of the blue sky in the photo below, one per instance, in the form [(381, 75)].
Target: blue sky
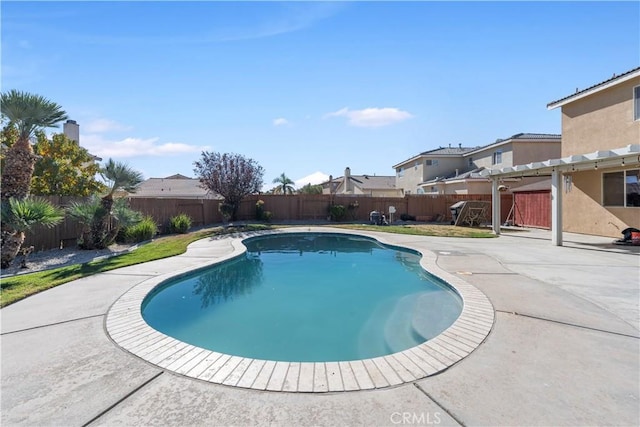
[(305, 87)]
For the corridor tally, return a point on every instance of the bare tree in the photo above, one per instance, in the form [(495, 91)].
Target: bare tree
[(231, 175)]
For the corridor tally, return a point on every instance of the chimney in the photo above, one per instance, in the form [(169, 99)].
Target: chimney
[(449, 145), (348, 184), (460, 145), (71, 130)]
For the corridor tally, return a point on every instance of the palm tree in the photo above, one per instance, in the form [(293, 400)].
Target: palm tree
[(285, 185), (119, 176), (28, 113), (20, 216), (85, 213)]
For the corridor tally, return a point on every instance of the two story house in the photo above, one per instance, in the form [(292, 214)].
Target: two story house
[(595, 184), (457, 170)]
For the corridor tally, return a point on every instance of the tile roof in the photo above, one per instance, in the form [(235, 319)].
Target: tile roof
[(368, 182), (595, 86), (374, 182), (178, 187), (448, 151), (471, 174)]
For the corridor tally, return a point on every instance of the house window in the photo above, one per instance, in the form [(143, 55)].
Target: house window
[(621, 188), (431, 162), (636, 103), (400, 172), (497, 157), (470, 162)]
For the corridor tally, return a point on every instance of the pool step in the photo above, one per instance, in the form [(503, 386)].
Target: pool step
[(371, 340), (433, 313), (398, 333)]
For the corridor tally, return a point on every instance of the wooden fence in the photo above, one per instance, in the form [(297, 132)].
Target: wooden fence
[(292, 208)]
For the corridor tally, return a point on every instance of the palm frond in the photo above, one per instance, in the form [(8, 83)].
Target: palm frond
[(121, 176), (22, 215), (30, 112)]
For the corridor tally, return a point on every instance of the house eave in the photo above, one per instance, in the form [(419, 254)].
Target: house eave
[(595, 89)]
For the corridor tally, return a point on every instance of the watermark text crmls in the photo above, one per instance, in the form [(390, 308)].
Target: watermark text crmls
[(415, 418)]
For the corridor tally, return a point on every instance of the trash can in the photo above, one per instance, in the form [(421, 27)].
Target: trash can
[(455, 211), (375, 218)]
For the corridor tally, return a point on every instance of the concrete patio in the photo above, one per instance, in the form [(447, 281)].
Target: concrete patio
[(564, 349)]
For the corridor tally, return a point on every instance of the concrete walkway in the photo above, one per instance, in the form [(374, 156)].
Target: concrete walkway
[(564, 349)]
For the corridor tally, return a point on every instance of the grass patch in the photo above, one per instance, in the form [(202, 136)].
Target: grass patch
[(21, 286), (424, 230)]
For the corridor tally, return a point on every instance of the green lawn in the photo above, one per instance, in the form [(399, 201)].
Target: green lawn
[(425, 230), (18, 287)]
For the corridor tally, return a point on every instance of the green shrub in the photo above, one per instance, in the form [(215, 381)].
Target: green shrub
[(144, 230), (180, 223), (226, 210), (337, 212), (260, 210), (267, 216)]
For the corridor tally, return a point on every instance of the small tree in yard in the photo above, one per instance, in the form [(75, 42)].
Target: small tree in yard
[(285, 185), (100, 234), (233, 176), (64, 168), (21, 216)]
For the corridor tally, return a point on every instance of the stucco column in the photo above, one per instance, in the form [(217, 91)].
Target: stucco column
[(495, 206), (556, 208)]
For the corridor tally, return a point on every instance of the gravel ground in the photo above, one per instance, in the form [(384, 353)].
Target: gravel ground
[(55, 258)]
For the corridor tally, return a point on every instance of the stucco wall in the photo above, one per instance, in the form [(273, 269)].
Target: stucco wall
[(601, 121), (528, 152), (485, 158), (583, 211), (417, 172)]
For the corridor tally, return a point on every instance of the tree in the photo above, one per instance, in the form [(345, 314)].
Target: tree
[(64, 168), (20, 216), (233, 176), (86, 212), (119, 176), (285, 185), (28, 113), (310, 189)]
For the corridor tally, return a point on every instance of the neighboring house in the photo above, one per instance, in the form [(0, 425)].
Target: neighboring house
[(174, 186), (594, 185), (458, 170), (368, 185)]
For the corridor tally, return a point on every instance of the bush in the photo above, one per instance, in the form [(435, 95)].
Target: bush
[(144, 230), (267, 216), (226, 210), (260, 210), (337, 212), (180, 223), (407, 217)]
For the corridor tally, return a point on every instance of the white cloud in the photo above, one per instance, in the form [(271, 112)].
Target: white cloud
[(135, 147), (313, 179), (372, 117), (103, 125), (280, 121)]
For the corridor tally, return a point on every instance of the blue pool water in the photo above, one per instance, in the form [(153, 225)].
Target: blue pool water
[(305, 297)]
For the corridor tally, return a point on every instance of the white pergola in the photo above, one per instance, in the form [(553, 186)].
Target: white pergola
[(629, 155)]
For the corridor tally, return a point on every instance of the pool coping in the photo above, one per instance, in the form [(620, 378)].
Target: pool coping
[(126, 327)]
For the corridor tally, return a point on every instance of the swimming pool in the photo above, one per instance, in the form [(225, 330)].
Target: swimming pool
[(126, 327), (307, 297)]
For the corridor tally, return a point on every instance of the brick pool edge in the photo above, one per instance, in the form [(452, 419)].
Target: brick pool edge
[(126, 327)]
